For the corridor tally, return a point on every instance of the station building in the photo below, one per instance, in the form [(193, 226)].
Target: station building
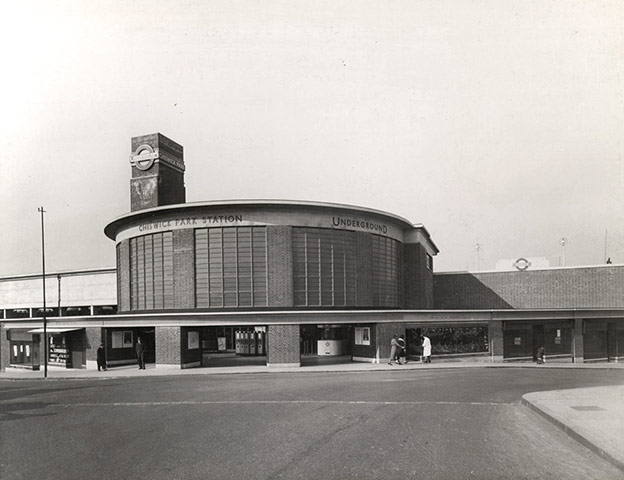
[(277, 282)]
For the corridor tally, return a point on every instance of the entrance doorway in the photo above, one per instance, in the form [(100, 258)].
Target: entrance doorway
[(21, 353), (538, 340), (233, 346), (326, 344)]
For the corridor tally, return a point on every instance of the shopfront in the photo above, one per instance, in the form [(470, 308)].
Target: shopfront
[(523, 341), (24, 349)]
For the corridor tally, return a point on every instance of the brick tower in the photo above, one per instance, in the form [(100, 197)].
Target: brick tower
[(157, 172)]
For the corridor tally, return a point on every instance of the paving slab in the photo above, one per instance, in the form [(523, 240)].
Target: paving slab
[(593, 416)]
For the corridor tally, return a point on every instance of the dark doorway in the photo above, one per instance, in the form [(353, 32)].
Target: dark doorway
[(538, 340)]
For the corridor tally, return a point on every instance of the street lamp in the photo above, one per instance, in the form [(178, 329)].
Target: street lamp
[(563, 242), (45, 320), (478, 248)]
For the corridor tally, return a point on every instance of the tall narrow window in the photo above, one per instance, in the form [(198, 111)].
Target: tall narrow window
[(386, 272), (151, 272), (324, 267)]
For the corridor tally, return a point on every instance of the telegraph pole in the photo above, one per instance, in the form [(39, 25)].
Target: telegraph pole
[(45, 320)]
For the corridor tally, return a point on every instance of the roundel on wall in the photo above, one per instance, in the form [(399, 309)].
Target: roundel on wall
[(144, 157), (522, 264)]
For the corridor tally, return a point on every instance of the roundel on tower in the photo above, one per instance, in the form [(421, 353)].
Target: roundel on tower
[(144, 157)]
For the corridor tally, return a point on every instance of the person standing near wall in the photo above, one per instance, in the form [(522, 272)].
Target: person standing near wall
[(402, 350), (426, 346), (394, 345), (140, 351), (101, 358)]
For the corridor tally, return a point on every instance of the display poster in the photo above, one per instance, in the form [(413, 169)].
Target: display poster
[(518, 341), (193, 340), (366, 336), (221, 344), (117, 339)]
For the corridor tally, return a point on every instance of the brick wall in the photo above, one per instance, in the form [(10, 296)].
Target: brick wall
[(5, 354), (93, 338), (283, 345), (123, 276), (495, 337), (384, 334), (583, 287), (417, 278), (184, 268), (280, 267), (161, 184), (365, 351), (171, 188), (144, 191), (168, 349)]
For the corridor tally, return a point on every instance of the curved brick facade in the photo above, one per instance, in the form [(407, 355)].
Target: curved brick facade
[(316, 255)]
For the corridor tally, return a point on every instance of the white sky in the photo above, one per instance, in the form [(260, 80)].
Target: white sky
[(491, 122)]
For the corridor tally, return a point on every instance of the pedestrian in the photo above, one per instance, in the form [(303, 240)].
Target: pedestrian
[(540, 355), (140, 351), (402, 350), (101, 358), (394, 345), (426, 346)]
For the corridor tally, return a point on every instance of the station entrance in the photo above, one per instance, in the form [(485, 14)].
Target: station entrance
[(233, 346), (324, 344)]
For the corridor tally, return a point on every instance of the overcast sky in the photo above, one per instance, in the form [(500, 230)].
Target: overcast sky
[(498, 123)]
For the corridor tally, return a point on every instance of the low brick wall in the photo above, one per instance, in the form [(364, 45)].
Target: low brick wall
[(583, 287)]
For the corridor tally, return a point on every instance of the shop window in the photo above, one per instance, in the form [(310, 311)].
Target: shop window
[(362, 335), (105, 310), (59, 352), (77, 311), (450, 340)]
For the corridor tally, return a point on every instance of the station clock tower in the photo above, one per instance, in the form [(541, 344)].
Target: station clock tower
[(157, 172)]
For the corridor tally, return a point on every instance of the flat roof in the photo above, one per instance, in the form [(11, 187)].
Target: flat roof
[(112, 228)]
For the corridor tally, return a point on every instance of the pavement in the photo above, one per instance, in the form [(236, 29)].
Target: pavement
[(592, 416)]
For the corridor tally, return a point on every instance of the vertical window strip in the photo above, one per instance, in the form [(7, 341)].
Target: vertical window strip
[(141, 271), (168, 273), (151, 272), (119, 263), (237, 266), (326, 268)]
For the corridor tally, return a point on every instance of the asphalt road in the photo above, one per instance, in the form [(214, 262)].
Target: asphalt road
[(436, 424)]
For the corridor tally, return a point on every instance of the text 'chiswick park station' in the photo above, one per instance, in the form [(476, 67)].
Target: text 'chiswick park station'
[(287, 283)]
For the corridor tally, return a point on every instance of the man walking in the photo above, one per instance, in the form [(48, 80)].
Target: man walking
[(140, 351)]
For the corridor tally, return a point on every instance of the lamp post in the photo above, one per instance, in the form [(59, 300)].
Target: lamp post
[(45, 320), (563, 242), (478, 249)]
